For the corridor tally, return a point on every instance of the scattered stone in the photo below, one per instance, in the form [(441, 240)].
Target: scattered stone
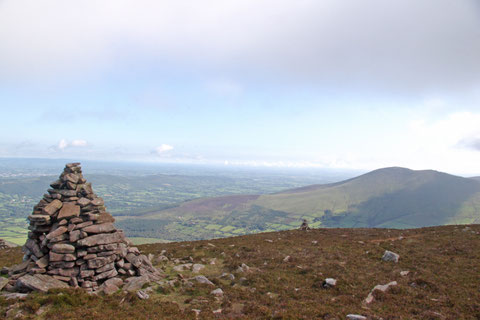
[(197, 312), (314, 242), (269, 240), (287, 259), (228, 276), (15, 295), (197, 267), (141, 294), (243, 268), (390, 256), (217, 292), (356, 317), (3, 282), (203, 279), (381, 287), (217, 312), (183, 267), (159, 259), (329, 283), (135, 283), (404, 273)]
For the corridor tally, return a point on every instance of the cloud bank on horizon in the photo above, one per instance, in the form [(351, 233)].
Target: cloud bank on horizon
[(354, 84)]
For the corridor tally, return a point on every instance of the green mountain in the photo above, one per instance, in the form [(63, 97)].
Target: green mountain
[(390, 197)]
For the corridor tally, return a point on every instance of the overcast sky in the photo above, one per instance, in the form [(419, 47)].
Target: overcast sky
[(336, 84)]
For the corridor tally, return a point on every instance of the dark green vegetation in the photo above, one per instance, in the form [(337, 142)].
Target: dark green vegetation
[(386, 198), (442, 283)]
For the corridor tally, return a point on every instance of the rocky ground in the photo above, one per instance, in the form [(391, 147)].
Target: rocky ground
[(430, 273)]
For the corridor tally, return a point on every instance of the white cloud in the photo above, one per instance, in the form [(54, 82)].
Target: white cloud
[(79, 143), (64, 144), (163, 148)]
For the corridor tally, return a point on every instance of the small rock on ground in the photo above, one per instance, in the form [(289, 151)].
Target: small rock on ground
[(380, 287), (217, 292), (329, 282), (142, 295), (356, 317), (390, 256), (203, 279)]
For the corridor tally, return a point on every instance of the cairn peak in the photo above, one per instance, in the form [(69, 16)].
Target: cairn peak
[(73, 241)]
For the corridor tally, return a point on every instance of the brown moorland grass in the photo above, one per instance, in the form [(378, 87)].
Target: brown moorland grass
[(443, 280)]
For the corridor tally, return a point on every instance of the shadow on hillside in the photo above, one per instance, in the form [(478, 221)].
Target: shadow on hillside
[(432, 203)]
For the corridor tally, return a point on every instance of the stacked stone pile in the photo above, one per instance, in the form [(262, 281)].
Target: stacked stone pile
[(73, 241), (4, 244)]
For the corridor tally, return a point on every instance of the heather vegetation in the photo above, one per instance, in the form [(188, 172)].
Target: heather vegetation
[(282, 278)]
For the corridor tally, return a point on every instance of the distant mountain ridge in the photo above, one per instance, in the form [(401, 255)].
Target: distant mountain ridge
[(392, 197)]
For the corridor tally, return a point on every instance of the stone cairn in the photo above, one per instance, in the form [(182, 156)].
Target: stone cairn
[(304, 225), (4, 244), (73, 242)]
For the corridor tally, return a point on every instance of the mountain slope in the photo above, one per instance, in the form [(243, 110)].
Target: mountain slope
[(390, 197)]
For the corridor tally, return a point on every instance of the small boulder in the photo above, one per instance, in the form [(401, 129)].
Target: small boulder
[(329, 283), (380, 287), (39, 282), (141, 294), (356, 317), (135, 283), (3, 282), (217, 292), (183, 267), (197, 267), (390, 256), (203, 279)]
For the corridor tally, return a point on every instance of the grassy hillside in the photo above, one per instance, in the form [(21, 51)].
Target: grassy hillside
[(443, 265), (390, 198)]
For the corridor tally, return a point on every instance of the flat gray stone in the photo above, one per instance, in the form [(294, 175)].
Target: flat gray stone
[(100, 239), (52, 207), (390, 256), (356, 317), (39, 282), (99, 228), (135, 283), (63, 248), (203, 279), (69, 209), (380, 287)]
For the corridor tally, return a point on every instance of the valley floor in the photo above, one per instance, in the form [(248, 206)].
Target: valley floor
[(282, 277)]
